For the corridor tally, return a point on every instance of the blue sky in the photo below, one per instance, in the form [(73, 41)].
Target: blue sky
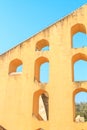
[(20, 19)]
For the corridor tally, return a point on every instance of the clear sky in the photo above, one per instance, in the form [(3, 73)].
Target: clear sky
[(20, 19)]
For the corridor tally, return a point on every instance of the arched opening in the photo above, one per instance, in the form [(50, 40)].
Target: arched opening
[(80, 70), (78, 36), (79, 65), (40, 105), (80, 105), (42, 70), (42, 45), (15, 66)]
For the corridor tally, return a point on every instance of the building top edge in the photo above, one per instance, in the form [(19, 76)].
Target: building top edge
[(58, 20)]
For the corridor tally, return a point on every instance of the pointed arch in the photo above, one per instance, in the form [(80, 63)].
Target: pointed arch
[(76, 29), (40, 105), (75, 92), (38, 63), (75, 59), (14, 64), (79, 56), (41, 44)]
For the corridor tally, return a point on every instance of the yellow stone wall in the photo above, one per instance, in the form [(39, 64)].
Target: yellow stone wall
[(17, 90)]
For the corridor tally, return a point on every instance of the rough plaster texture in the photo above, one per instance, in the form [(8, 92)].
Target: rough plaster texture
[(17, 90)]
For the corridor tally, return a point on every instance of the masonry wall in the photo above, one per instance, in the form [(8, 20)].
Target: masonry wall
[(17, 90)]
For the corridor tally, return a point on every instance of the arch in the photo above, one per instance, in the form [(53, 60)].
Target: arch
[(76, 58), (40, 105), (76, 29), (14, 64), (41, 44), (38, 63), (77, 91)]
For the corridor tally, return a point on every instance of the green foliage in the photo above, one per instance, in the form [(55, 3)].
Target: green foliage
[(81, 109)]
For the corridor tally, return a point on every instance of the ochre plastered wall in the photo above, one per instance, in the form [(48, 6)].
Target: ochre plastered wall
[(17, 91)]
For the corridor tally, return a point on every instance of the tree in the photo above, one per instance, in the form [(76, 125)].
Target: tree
[(81, 109)]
